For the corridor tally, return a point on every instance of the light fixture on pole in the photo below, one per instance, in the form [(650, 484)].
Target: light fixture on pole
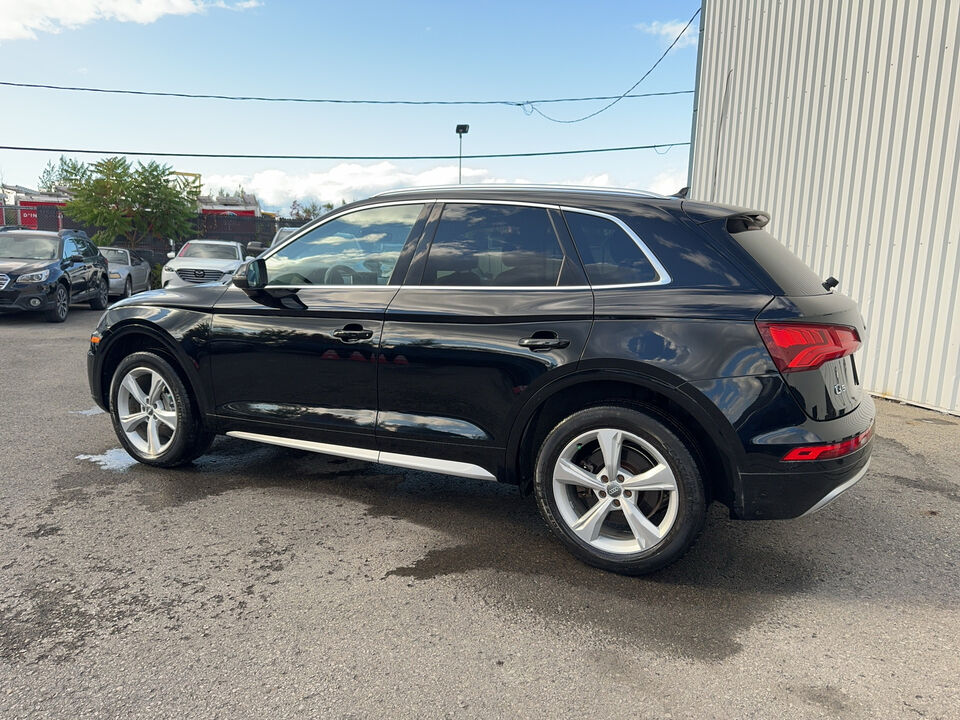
[(461, 131)]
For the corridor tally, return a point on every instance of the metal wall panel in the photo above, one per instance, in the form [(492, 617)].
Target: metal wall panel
[(842, 119)]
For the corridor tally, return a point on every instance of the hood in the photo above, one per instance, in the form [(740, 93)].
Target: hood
[(18, 266), (203, 264), (199, 297)]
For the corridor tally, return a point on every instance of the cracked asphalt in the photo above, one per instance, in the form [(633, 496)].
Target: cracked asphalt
[(266, 582)]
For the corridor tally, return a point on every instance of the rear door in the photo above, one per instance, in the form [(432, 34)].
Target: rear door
[(493, 308)]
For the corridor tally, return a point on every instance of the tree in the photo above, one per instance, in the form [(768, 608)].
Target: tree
[(66, 173), (133, 202), (309, 211)]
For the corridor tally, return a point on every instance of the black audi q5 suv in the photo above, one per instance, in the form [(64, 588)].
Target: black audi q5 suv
[(627, 358)]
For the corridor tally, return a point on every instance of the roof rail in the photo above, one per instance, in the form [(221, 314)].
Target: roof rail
[(520, 187)]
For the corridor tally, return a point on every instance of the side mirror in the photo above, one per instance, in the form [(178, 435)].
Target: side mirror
[(255, 248), (171, 255), (75, 258), (251, 275)]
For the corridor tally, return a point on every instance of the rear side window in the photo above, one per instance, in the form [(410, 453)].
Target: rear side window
[(788, 271), (609, 255), (494, 245)]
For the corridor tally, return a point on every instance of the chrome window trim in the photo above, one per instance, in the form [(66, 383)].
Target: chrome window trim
[(663, 277), (415, 462), (662, 274)]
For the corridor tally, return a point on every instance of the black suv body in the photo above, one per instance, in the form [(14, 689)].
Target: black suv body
[(630, 358), (47, 271)]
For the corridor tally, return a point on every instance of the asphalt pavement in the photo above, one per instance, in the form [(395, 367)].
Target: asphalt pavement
[(264, 582)]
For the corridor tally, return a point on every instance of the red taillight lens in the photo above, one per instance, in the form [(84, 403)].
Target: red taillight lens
[(805, 346), (830, 451)]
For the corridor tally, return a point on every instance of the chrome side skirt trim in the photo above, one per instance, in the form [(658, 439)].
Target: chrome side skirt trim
[(414, 462), (839, 490)]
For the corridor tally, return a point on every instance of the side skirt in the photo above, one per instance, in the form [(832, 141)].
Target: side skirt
[(415, 462)]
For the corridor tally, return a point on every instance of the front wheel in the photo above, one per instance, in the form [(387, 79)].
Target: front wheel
[(61, 305), (152, 413), (102, 298), (620, 490), (127, 288)]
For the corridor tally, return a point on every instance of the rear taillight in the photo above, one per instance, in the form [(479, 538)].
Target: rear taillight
[(806, 346), (831, 450)]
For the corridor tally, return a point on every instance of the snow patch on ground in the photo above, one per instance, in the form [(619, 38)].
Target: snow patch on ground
[(117, 459)]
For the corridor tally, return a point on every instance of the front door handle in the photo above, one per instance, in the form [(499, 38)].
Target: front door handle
[(543, 340), (352, 333)]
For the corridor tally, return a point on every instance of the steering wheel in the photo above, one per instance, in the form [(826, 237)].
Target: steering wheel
[(337, 273)]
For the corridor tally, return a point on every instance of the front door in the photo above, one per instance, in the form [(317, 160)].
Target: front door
[(299, 359), (495, 308), (76, 268)]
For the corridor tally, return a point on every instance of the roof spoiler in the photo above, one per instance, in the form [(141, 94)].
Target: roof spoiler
[(747, 221)]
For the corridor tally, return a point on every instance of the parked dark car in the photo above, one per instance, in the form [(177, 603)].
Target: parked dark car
[(47, 271), (627, 358)]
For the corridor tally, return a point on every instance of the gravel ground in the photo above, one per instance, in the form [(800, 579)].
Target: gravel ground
[(266, 582)]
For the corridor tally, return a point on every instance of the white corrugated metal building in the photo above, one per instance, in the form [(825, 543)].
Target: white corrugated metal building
[(842, 119)]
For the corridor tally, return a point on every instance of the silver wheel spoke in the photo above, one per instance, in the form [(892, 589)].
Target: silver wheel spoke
[(167, 417), (153, 436), (646, 532), (131, 422), (659, 477), (157, 386), (611, 444), (589, 524), (570, 474), (133, 388)]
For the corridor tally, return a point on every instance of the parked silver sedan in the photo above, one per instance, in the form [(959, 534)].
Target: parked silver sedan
[(129, 273)]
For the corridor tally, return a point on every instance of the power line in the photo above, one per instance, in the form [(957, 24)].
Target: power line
[(336, 101), (244, 156), (632, 87)]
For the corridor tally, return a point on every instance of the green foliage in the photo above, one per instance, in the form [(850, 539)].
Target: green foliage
[(67, 173), (309, 211), (134, 202)]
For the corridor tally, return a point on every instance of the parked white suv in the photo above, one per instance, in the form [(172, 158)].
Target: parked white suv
[(202, 261)]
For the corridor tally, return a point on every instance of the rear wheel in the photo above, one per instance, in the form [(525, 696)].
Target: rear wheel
[(61, 305), (152, 413), (102, 298), (620, 490)]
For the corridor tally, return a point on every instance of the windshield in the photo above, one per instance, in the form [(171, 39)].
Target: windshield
[(210, 251), (115, 256), (29, 247)]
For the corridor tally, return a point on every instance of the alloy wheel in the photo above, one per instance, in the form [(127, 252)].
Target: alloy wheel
[(147, 411), (615, 491), (62, 301)]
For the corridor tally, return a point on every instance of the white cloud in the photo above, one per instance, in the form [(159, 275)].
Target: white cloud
[(23, 19), (669, 30), (277, 189)]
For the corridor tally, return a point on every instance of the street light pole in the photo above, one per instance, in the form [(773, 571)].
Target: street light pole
[(461, 131)]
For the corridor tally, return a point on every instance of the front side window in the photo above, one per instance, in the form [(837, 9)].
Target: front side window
[(610, 256), (210, 251), (494, 246), (70, 248), (359, 248)]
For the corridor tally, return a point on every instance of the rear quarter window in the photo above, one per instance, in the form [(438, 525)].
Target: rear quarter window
[(609, 255), (787, 270)]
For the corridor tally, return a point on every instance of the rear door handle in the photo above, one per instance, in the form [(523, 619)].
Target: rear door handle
[(543, 340), (352, 333)]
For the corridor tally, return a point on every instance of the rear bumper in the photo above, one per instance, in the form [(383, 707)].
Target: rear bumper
[(838, 490)]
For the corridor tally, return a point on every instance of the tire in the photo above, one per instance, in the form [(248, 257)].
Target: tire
[(102, 298), (172, 446), (127, 288), (61, 305), (598, 516)]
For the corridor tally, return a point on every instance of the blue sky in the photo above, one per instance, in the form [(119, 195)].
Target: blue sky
[(384, 50)]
